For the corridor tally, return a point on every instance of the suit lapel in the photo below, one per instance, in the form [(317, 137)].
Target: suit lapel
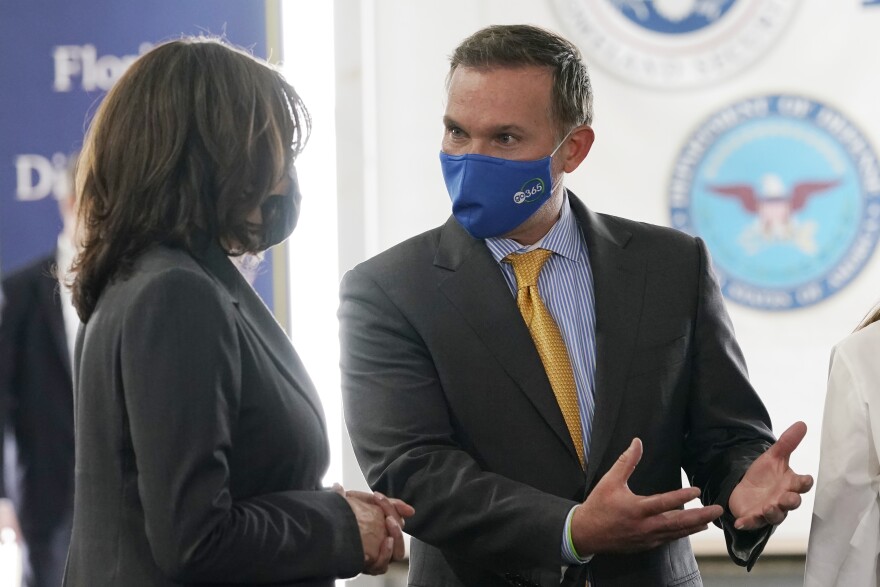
[(618, 285), (472, 281), (266, 329)]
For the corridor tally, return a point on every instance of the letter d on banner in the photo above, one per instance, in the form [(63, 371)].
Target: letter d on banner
[(36, 177)]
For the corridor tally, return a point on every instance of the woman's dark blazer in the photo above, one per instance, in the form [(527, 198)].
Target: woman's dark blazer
[(200, 440)]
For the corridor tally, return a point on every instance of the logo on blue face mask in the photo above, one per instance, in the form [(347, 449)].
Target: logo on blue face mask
[(530, 191)]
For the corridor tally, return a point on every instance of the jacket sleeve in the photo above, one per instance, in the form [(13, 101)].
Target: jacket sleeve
[(408, 447), (729, 427), (181, 380), (12, 312), (845, 529)]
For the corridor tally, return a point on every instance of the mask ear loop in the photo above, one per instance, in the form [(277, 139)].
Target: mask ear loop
[(562, 142)]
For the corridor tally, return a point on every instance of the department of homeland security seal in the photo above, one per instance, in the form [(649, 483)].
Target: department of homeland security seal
[(674, 43), (786, 193)]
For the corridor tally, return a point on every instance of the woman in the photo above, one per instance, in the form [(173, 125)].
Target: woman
[(845, 533), (200, 440)]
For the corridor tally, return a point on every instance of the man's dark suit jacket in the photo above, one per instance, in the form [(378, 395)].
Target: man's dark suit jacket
[(36, 399), (200, 439), (449, 407)]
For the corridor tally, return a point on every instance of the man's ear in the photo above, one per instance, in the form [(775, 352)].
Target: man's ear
[(577, 147)]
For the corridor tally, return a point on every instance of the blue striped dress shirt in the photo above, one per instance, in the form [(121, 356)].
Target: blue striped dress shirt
[(565, 284)]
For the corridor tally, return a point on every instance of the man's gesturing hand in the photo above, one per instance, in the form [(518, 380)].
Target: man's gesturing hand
[(770, 489), (614, 519)]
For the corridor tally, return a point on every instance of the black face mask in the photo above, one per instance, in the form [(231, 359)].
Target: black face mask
[(280, 214)]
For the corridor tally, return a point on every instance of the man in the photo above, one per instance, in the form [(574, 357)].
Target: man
[(532, 376), (37, 327)]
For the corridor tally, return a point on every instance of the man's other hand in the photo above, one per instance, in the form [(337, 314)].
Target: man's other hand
[(614, 519), (770, 489)]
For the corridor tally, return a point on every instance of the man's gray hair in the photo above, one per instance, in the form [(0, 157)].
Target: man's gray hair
[(525, 45)]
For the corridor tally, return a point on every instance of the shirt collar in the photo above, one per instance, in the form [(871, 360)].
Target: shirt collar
[(562, 238)]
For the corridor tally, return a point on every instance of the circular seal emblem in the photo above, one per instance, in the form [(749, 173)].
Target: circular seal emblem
[(674, 43), (530, 191), (785, 191)]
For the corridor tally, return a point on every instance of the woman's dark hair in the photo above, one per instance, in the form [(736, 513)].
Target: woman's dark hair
[(190, 140)]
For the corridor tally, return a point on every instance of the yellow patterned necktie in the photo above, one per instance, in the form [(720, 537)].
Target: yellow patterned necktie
[(548, 340)]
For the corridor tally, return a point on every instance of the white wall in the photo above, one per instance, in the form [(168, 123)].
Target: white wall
[(391, 57)]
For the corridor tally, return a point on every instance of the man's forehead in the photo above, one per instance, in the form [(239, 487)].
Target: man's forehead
[(502, 95), (501, 84), (486, 72)]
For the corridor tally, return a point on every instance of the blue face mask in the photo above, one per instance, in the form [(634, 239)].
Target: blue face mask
[(492, 196)]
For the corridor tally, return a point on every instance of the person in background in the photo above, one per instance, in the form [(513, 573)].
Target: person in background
[(533, 376), (200, 439), (38, 325), (844, 546)]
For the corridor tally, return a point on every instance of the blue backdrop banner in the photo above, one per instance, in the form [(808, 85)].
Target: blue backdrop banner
[(59, 60)]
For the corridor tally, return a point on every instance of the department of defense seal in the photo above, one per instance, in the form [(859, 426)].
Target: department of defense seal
[(674, 43), (786, 193)]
